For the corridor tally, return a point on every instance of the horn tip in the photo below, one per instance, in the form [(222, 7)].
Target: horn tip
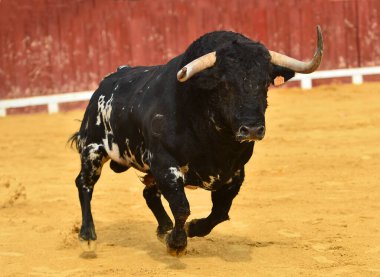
[(182, 74), (319, 38)]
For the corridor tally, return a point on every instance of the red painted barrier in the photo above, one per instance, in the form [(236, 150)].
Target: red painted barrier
[(51, 46)]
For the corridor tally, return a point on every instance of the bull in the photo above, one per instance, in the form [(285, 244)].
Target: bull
[(192, 122)]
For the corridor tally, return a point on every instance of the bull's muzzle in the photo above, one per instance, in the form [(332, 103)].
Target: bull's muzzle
[(250, 133)]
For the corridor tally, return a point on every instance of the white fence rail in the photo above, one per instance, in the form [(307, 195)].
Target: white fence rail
[(52, 101), (306, 80), (355, 73)]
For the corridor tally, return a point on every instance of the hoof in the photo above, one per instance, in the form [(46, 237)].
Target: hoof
[(176, 243), (176, 252), (162, 236), (87, 232), (87, 238), (197, 228), (163, 231), (88, 245)]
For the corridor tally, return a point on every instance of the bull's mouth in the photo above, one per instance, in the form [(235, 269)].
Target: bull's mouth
[(244, 139), (250, 134)]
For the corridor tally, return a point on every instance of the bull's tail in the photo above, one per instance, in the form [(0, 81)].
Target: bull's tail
[(74, 141)]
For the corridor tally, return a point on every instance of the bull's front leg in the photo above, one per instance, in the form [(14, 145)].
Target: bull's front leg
[(222, 201), (170, 182)]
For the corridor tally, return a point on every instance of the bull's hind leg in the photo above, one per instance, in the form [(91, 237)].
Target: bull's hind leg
[(153, 199), (93, 156), (222, 201)]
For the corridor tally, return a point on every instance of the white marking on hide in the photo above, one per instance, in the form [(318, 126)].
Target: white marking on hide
[(86, 188), (108, 110), (150, 155), (104, 110), (208, 185), (93, 152), (146, 70), (145, 158), (229, 181), (93, 155), (129, 158), (117, 86), (237, 172), (212, 118), (177, 173), (114, 152), (81, 143), (213, 121)]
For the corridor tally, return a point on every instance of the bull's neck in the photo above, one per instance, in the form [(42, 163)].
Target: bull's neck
[(202, 121)]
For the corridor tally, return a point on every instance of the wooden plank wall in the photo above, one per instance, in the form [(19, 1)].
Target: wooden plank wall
[(53, 46)]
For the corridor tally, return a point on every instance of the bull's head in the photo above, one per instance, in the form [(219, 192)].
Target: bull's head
[(238, 78)]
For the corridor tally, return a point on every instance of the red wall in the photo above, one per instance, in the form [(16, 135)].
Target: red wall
[(53, 46)]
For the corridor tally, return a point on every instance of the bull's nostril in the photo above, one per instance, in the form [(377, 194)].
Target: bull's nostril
[(244, 131), (260, 130)]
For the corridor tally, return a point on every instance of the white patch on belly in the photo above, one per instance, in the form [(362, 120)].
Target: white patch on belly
[(128, 157), (114, 153)]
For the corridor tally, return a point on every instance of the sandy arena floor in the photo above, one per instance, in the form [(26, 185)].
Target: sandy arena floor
[(310, 204)]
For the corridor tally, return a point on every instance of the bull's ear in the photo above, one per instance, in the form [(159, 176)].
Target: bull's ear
[(280, 75)]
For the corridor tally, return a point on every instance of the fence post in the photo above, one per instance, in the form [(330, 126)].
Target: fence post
[(53, 107), (357, 79), (3, 112), (306, 83)]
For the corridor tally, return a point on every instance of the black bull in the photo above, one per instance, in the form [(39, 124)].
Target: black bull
[(199, 132)]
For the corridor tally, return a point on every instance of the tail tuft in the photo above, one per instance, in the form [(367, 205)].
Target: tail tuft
[(74, 141)]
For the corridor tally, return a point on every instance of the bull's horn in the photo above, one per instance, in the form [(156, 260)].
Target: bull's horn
[(196, 66), (299, 66)]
